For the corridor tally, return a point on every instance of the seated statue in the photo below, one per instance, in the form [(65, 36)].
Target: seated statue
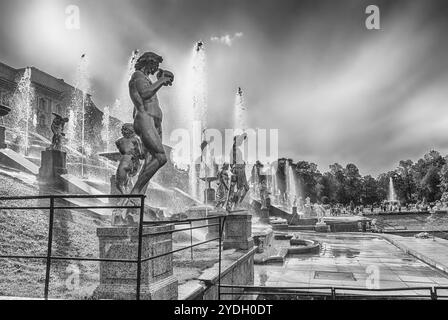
[(57, 128)]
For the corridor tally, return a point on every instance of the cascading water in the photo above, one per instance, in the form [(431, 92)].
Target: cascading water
[(20, 117), (392, 195)]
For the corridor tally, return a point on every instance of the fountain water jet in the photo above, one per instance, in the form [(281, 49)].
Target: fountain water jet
[(291, 188), (105, 133), (123, 107), (76, 134), (21, 112), (240, 112), (392, 197), (199, 112)]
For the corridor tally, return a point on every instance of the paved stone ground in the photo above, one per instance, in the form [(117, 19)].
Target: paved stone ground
[(346, 260), (433, 251)]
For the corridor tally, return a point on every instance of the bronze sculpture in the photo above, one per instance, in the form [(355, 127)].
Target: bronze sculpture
[(148, 115), (57, 128), (238, 182), (131, 153)]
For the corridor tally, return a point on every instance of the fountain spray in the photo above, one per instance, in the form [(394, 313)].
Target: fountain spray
[(199, 110), (240, 111), (82, 85), (20, 116), (392, 193)]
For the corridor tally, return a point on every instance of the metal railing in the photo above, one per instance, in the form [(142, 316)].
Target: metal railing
[(332, 293), (52, 207)]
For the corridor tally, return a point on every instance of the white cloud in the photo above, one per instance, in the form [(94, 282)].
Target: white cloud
[(227, 39)]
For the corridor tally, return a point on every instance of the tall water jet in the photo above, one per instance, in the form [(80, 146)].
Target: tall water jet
[(274, 186), (105, 132), (78, 106), (123, 107), (240, 111), (199, 112), (20, 117), (392, 195)]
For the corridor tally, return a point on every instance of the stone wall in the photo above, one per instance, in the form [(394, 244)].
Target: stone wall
[(241, 272)]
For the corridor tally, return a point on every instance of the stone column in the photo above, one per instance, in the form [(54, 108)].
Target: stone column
[(118, 280), (238, 231)]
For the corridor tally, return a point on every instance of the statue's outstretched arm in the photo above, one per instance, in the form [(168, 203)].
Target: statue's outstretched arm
[(148, 91)]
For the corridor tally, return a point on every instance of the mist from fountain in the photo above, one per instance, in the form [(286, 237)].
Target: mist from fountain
[(20, 116), (392, 194)]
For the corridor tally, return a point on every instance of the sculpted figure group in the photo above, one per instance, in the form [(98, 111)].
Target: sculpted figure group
[(147, 126), (142, 140)]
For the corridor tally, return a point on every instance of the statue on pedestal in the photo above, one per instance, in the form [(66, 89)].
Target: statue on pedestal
[(57, 128), (238, 182)]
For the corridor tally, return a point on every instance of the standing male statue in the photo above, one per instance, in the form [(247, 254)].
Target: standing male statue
[(148, 115)]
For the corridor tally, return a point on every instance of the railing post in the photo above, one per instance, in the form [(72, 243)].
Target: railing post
[(333, 293), (139, 250), (221, 229), (433, 292), (191, 242), (50, 241)]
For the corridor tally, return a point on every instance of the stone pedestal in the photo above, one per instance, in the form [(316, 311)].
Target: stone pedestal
[(53, 165), (209, 196), (238, 231), (2, 137), (118, 280), (264, 215), (321, 227), (213, 231)]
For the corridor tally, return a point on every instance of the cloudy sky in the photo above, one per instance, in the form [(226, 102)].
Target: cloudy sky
[(336, 91)]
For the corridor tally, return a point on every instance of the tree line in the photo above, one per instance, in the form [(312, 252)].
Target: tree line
[(423, 180)]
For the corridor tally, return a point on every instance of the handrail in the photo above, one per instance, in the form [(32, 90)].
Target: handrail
[(310, 291), (52, 207)]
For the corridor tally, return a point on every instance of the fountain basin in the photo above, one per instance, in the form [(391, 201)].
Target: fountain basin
[(302, 246)]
